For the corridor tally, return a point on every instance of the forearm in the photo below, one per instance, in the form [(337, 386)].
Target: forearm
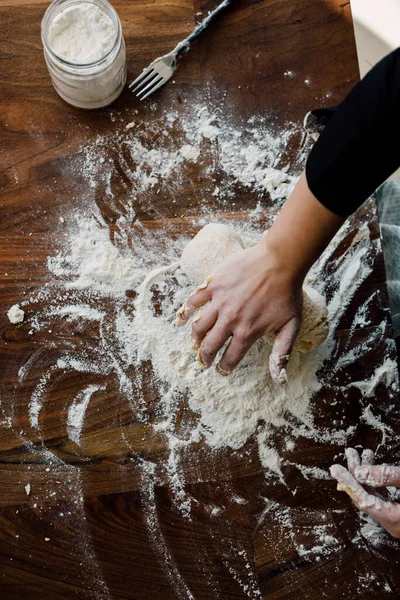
[(355, 153), (301, 232)]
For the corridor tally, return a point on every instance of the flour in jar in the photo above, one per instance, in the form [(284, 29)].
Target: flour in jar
[(85, 52), (82, 33)]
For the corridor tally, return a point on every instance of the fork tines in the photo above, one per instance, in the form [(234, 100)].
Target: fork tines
[(150, 77)]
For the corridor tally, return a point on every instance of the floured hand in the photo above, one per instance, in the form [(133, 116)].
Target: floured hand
[(249, 295), (258, 291), (362, 472)]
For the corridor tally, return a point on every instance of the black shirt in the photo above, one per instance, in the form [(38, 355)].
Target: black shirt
[(360, 146)]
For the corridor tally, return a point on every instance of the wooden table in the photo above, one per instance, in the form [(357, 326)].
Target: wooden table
[(91, 525)]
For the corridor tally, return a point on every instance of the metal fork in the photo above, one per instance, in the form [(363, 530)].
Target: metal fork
[(161, 69)]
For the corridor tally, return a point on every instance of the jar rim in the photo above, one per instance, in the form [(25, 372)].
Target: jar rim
[(68, 63)]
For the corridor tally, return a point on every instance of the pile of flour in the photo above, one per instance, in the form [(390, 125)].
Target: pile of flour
[(230, 408)]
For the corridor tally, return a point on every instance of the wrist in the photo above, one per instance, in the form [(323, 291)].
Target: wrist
[(286, 256), (284, 260), (301, 232)]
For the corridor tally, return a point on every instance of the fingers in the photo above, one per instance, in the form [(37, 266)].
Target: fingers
[(378, 475), (283, 345), (212, 343), (234, 353), (353, 459), (286, 337), (361, 498), (277, 367), (385, 513), (200, 296), (202, 324)]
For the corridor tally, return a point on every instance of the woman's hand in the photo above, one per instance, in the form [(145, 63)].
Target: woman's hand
[(258, 291), (251, 294), (363, 472)]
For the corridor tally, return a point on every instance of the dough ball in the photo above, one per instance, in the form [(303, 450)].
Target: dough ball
[(208, 249), (314, 324)]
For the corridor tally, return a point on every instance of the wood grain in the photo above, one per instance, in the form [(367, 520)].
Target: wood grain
[(94, 524)]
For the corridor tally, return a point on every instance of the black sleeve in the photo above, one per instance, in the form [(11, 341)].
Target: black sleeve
[(360, 146)]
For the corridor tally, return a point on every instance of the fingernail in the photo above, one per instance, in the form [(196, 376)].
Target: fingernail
[(203, 286), (195, 344), (362, 473), (180, 317), (367, 457), (282, 377), (202, 363), (222, 372), (184, 313), (277, 366)]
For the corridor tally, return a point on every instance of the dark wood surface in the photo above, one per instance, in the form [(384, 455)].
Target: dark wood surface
[(94, 526)]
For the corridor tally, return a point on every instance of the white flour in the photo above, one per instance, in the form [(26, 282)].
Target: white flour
[(15, 314), (190, 152), (230, 408), (248, 155), (386, 373), (93, 262), (77, 410), (82, 33)]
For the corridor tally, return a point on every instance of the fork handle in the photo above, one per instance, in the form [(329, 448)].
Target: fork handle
[(183, 46)]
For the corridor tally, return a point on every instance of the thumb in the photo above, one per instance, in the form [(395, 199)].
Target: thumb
[(378, 475), (283, 346)]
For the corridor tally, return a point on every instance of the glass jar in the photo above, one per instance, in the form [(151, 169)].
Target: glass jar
[(94, 84)]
